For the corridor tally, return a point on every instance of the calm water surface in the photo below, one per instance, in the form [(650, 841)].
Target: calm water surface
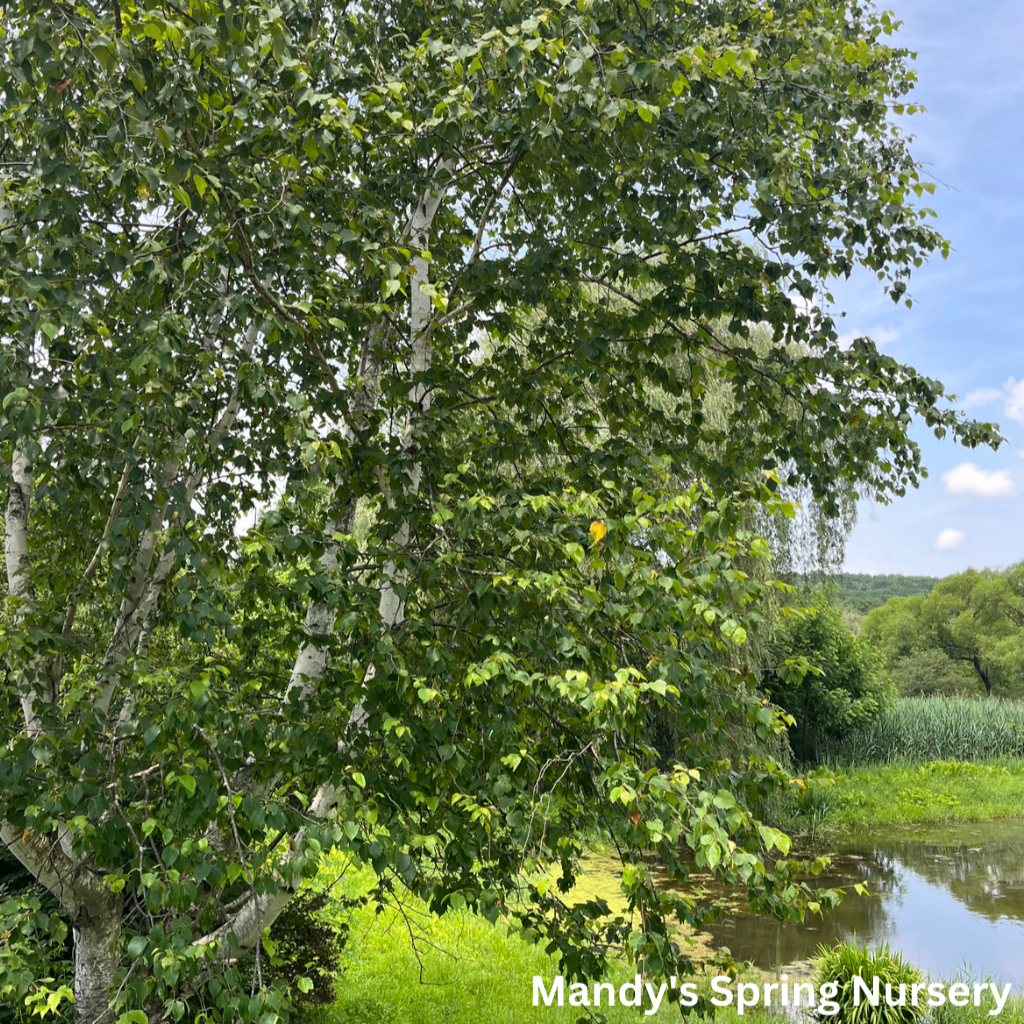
[(947, 898)]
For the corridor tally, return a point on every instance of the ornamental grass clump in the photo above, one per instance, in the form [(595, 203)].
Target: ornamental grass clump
[(845, 961)]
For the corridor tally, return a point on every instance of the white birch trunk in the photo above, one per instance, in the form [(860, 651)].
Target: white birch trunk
[(19, 497), (95, 961), (311, 661), (94, 912)]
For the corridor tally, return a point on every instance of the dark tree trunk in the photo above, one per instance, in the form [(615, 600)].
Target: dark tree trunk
[(983, 672)]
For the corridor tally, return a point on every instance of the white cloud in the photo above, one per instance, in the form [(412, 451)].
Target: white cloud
[(1012, 392), (879, 335), (1015, 400), (983, 396), (805, 307), (967, 478), (950, 540)]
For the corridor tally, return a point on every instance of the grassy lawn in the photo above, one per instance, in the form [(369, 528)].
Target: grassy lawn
[(933, 792), (463, 971)]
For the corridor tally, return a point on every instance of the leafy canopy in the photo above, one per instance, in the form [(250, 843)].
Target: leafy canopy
[(454, 281)]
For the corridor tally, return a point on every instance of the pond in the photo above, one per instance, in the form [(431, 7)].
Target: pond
[(949, 898)]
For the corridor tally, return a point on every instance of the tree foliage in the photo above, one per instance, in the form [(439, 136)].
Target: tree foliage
[(825, 677), (421, 269), (969, 629)]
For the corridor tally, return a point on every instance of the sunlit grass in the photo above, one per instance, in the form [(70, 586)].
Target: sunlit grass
[(933, 792), (460, 970)]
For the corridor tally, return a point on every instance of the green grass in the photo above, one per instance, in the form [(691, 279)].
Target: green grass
[(918, 729), (933, 792), (1013, 1012), (463, 971)]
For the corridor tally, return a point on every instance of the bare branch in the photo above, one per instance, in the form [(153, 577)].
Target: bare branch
[(101, 549)]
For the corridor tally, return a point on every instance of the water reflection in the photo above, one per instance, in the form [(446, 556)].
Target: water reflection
[(945, 897)]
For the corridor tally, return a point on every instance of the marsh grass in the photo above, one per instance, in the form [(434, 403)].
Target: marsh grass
[(1013, 1011), (918, 729)]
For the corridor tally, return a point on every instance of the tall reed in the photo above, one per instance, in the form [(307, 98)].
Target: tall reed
[(919, 729)]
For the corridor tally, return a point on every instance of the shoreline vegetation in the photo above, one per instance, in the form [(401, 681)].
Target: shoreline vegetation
[(917, 794)]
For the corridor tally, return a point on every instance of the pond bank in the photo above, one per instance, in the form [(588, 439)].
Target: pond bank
[(956, 880), (936, 791)]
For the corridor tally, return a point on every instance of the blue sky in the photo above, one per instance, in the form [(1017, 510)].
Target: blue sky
[(966, 327)]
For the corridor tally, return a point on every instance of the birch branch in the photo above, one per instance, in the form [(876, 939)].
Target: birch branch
[(48, 861), (148, 581), (311, 661), (101, 549)]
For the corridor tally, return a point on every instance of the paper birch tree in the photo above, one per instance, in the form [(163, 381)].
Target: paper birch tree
[(338, 510)]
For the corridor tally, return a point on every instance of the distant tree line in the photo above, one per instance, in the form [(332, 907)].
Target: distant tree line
[(861, 592)]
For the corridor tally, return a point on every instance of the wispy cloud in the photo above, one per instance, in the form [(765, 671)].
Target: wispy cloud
[(984, 396), (950, 540), (1015, 403), (879, 335), (967, 478), (1012, 393)]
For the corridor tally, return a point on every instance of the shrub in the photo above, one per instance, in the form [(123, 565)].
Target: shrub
[(845, 961), (842, 690), (307, 950)]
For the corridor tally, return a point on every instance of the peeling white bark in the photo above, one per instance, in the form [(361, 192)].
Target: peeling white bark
[(392, 605), (311, 661), (245, 927), (19, 499), (48, 862), (95, 962)]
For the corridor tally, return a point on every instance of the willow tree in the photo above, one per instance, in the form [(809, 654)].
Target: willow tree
[(255, 250)]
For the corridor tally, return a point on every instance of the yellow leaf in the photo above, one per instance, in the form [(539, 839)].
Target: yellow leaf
[(598, 531)]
